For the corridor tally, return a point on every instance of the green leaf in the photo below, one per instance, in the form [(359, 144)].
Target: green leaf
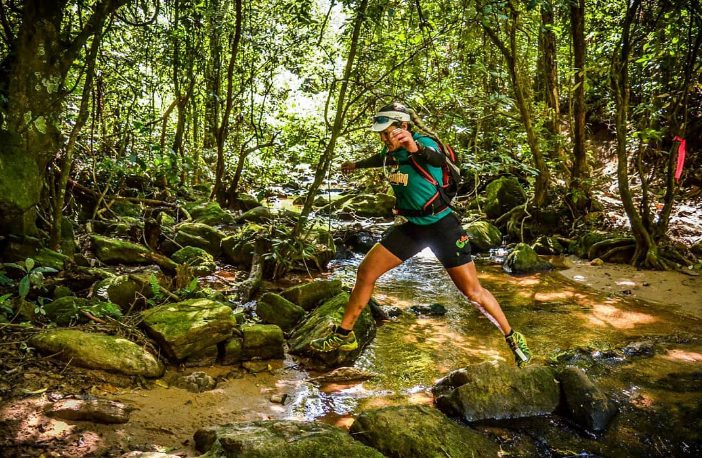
[(46, 270), (15, 265), (24, 286), (29, 264)]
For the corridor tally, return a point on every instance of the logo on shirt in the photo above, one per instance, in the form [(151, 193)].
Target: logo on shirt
[(398, 178), (460, 243)]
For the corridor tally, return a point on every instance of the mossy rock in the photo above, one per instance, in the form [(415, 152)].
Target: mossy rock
[(369, 205), (200, 235), (419, 431), (580, 247), (483, 236), (585, 402), (502, 195), (210, 213), (309, 295), (189, 327), (233, 351), (200, 261), (98, 351), (524, 260), (50, 258), (245, 202), (127, 208), (115, 251), (122, 290), (280, 439), (258, 214), (264, 341), (495, 392), (275, 309), (320, 322), (239, 248), (546, 245), (66, 310)]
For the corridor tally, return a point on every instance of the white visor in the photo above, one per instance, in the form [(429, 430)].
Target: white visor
[(384, 119)]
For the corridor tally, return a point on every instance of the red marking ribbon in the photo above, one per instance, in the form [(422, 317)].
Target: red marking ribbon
[(681, 157)]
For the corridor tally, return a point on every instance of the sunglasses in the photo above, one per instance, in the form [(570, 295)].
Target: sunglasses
[(384, 119)]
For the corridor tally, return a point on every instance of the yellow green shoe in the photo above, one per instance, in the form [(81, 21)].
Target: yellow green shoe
[(335, 341), (518, 344)]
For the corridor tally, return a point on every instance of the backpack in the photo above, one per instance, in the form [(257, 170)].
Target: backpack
[(446, 190)]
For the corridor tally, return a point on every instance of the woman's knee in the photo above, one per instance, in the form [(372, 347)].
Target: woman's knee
[(365, 275)]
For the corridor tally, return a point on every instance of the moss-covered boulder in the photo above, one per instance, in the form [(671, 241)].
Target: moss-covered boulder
[(419, 431), (115, 251), (50, 258), (210, 213), (502, 195), (280, 439), (200, 235), (368, 205), (69, 309), (585, 402), (98, 351), (188, 328), (245, 202), (483, 236), (310, 295), (264, 341), (546, 245), (233, 351), (524, 260), (275, 309), (121, 290), (239, 247), (320, 322), (495, 392), (200, 261), (258, 214), (580, 247)]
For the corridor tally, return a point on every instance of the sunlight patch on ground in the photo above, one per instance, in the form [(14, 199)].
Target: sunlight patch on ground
[(677, 354), (609, 315)]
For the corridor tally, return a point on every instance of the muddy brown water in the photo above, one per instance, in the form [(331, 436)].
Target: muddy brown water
[(659, 397)]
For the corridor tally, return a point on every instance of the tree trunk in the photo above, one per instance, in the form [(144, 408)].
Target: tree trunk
[(646, 253), (35, 95), (579, 193), (550, 66), (328, 154)]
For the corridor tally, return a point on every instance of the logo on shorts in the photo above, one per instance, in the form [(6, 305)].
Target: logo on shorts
[(460, 243)]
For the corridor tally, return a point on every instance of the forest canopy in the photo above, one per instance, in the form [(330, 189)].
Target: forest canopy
[(237, 97)]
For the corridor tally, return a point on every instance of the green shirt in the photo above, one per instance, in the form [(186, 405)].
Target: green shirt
[(411, 189)]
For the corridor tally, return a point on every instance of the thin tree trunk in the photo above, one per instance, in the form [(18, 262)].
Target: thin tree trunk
[(328, 154), (579, 194)]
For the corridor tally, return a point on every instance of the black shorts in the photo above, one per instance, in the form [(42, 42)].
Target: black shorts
[(446, 238)]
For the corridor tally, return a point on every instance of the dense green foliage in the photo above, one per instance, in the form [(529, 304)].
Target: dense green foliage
[(240, 95)]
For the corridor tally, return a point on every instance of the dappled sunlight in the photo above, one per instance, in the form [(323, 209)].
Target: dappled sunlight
[(609, 315), (678, 354)]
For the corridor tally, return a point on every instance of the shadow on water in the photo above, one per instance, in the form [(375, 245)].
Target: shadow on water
[(658, 391)]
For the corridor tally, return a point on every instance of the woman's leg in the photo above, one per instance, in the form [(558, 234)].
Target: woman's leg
[(378, 261), (465, 277)]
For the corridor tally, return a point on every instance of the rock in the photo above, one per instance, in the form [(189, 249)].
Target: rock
[(483, 236), (309, 295), (369, 205), (138, 454), (275, 309), (201, 236), (245, 202), (189, 327), (280, 438), (96, 411), (428, 310), (258, 214), (200, 261), (344, 374), (642, 348), (233, 352), (121, 290), (61, 291), (279, 398), (264, 341), (419, 431), (210, 213), (98, 351), (320, 322), (580, 247), (239, 248), (360, 241), (524, 260), (545, 245), (197, 382), (586, 404), (502, 195), (597, 262), (65, 310), (495, 392), (50, 258), (115, 251), (257, 366)]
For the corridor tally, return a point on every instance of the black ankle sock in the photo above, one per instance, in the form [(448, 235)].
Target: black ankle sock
[(507, 336), (342, 331)]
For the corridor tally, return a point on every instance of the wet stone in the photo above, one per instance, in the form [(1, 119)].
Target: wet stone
[(642, 348), (310, 295), (585, 403), (197, 382), (429, 310), (344, 374), (96, 411)]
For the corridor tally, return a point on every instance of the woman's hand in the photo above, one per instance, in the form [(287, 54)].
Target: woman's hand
[(403, 138), (348, 167)]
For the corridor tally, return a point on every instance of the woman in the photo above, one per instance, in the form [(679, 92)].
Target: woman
[(431, 223)]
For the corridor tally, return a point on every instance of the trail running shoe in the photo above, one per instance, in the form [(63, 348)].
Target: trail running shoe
[(335, 341), (517, 343)]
